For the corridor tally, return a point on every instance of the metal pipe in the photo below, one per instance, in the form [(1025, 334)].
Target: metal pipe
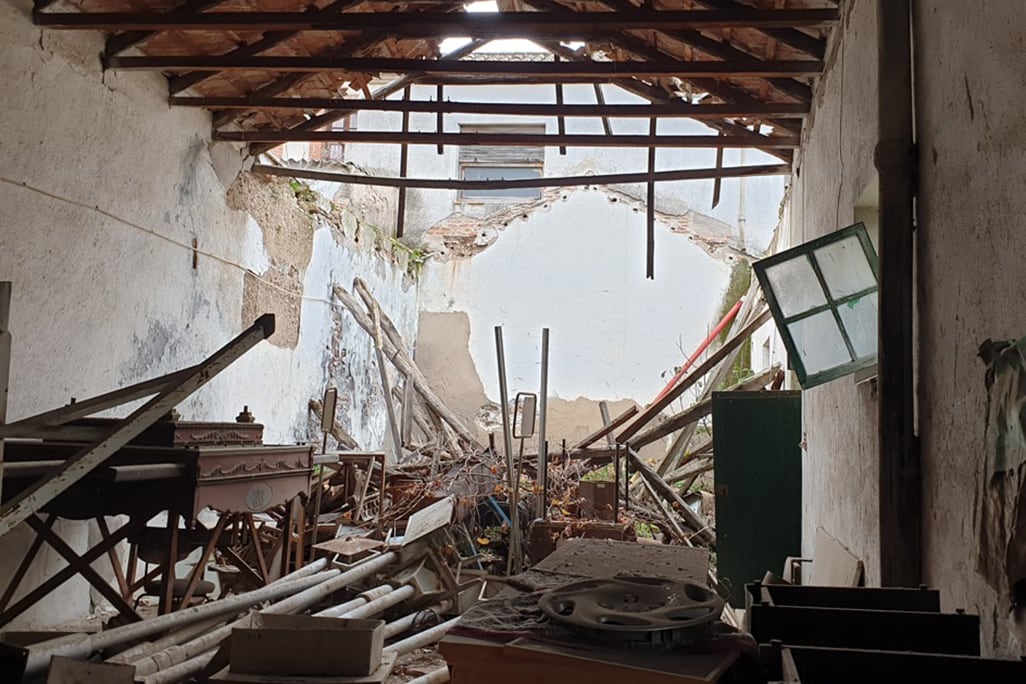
[(379, 605), (439, 676), (181, 671), (37, 656), (900, 488), (507, 442), (363, 599), (421, 639), (190, 651), (543, 411), (180, 636), (404, 624)]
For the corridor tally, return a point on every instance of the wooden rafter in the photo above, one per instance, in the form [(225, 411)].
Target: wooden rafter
[(510, 139), (547, 182), (582, 25), (556, 71), (641, 111)]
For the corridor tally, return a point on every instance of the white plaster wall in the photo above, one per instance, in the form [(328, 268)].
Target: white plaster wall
[(427, 207), (578, 268), (840, 474), (971, 69), (103, 187)]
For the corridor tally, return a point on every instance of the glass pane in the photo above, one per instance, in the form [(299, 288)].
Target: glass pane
[(819, 342), (795, 285), (860, 321), (502, 173), (845, 267)]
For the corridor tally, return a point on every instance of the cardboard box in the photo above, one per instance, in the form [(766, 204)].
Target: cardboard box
[(304, 645)]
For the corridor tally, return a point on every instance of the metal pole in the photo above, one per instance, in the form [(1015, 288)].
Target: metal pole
[(190, 651), (37, 657), (439, 676), (362, 599), (397, 627), (900, 488), (541, 509), (421, 639), (507, 441), (381, 604)]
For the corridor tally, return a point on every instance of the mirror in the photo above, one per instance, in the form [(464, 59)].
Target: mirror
[(524, 414)]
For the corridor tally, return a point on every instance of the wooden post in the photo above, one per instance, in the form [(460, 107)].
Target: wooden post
[(5, 362), (561, 120), (404, 162), (439, 117), (650, 213), (900, 494)]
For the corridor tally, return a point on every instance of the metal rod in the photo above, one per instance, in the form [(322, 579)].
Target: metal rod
[(543, 413), (361, 600), (421, 639), (381, 604), (507, 436)]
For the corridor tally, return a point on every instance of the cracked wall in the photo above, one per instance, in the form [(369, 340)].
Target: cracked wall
[(133, 254)]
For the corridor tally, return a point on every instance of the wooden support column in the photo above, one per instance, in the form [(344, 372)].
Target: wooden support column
[(5, 362), (404, 163), (900, 494), (650, 213)]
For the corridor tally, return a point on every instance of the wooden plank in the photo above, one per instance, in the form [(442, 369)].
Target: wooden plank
[(601, 109), (511, 139), (88, 458), (81, 566), (560, 25), (551, 181), (563, 71), (694, 376), (606, 429), (699, 526), (404, 164)]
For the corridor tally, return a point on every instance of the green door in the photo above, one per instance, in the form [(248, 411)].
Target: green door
[(758, 470)]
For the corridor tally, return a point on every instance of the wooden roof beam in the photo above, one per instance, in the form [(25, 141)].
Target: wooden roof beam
[(792, 37), (123, 41), (679, 110), (548, 182), (661, 68), (511, 139), (580, 25)]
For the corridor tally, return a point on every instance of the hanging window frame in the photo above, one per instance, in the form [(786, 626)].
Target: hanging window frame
[(495, 158), (784, 321)]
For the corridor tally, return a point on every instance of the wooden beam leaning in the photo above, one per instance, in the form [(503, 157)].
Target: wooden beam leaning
[(691, 378), (545, 182), (607, 428), (556, 72), (560, 25), (78, 466), (512, 139), (702, 531), (616, 111)]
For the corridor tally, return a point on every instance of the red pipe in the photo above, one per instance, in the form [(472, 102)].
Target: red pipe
[(701, 349)]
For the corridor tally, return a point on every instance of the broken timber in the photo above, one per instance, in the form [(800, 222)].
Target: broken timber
[(170, 394)]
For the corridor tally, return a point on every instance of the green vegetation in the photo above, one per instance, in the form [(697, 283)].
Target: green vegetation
[(740, 281)]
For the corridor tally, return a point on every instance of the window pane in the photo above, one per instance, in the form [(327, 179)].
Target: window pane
[(860, 322), (795, 286), (819, 342), (502, 173), (845, 267)]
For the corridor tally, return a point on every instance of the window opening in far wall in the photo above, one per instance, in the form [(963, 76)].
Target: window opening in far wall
[(501, 162)]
